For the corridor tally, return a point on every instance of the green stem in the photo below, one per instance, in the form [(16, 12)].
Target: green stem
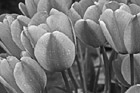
[(73, 79), (82, 78), (132, 68), (107, 72), (66, 81)]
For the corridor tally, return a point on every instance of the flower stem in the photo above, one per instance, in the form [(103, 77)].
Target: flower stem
[(132, 68), (107, 72), (73, 79), (82, 78), (66, 81)]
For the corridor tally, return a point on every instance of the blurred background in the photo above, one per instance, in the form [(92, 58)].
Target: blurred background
[(11, 6)]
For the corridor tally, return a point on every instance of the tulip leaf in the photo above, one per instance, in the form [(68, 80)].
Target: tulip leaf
[(125, 69), (55, 51), (134, 89)]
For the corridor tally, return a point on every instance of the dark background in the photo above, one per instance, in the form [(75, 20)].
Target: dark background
[(11, 6)]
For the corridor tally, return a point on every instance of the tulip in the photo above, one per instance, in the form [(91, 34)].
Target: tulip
[(120, 27), (56, 27), (33, 6), (88, 29), (10, 28), (22, 76)]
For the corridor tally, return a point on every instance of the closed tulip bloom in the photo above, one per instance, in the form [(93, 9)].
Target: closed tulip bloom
[(22, 76), (51, 40), (31, 7), (11, 26), (120, 27), (88, 29)]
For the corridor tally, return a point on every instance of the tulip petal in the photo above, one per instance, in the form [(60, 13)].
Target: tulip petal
[(26, 79), (35, 33), (113, 5), (9, 88), (58, 21), (55, 51), (74, 16), (93, 12), (38, 18), (31, 7), (23, 9), (135, 9), (7, 73), (132, 35), (125, 69), (112, 24), (89, 32), (107, 35), (27, 44), (16, 30), (61, 5), (38, 71), (6, 38), (116, 64), (23, 20), (125, 8), (134, 89), (44, 5)]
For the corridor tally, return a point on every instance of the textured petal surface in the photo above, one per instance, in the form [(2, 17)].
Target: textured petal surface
[(55, 51), (125, 69), (38, 18), (134, 89), (6, 38), (132, 35), (35, 33), (26, 79), (58, 21), (89, 32)]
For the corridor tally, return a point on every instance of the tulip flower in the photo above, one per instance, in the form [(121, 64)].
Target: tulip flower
[(33, 6), (11, 26), (120, 27), (52, 29), (22, 76), (88, 29)]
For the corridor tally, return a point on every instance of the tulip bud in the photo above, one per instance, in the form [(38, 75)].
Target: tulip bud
[(113, 24), (55, 51), (29, 76)]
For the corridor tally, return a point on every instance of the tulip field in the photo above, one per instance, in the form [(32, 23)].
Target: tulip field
[(61, 46)]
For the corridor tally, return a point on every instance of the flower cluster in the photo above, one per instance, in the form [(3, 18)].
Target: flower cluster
[(45, 39)]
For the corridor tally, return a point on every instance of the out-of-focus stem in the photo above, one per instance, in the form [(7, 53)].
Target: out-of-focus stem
[(73, 79), (132, 68), (81, 75), (107, 72), (66, 81)]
